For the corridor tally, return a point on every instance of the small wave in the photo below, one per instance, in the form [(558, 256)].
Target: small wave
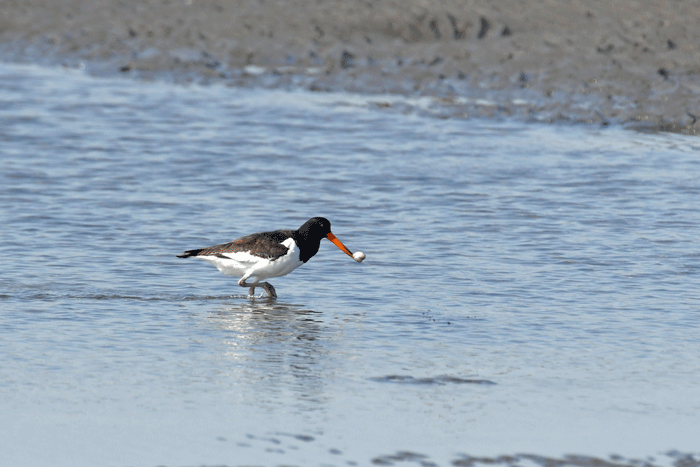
[(674, 458), (677, 459), (439, 380), (47, 296)]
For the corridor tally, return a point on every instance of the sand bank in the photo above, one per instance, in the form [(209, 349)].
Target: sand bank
[(634, 63)]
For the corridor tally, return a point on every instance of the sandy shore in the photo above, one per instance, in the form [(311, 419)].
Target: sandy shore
[(634, 63)]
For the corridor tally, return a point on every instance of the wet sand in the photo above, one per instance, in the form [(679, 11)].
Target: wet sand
[(633, 63)]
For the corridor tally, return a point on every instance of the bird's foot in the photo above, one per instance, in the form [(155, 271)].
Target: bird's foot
[(251, 287), (269, 289)]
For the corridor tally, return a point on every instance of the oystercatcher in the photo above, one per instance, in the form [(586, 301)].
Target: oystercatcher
[(270, 254)]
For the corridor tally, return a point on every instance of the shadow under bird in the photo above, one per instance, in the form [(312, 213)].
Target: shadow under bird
[(263, 255)]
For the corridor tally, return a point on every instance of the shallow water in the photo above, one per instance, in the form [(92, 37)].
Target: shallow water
[(527, 289)]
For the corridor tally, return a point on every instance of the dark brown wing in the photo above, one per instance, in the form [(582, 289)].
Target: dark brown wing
[(266, 245)]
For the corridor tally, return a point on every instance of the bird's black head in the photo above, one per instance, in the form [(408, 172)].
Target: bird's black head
[(315, 228), (309, 237)]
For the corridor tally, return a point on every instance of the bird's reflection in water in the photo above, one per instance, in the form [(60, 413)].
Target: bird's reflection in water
[(277, 350)]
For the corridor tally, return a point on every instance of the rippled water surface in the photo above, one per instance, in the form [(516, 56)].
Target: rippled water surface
[(527, 289)]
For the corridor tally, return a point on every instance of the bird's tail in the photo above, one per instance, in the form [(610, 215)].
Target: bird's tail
[(189, 253)]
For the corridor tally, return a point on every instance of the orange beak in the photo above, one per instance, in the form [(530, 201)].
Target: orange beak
[(339, 244)]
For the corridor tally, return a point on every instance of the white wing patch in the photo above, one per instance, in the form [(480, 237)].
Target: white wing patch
[(241, 257)]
